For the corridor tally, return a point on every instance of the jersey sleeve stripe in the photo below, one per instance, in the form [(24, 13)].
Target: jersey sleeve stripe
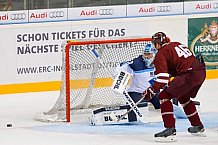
[(162, 81), (163, 75)]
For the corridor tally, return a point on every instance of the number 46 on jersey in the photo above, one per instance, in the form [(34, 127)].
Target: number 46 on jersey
[(182, 50)]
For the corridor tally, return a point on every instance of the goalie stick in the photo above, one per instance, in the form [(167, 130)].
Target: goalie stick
[(132, 104), (132, 107)]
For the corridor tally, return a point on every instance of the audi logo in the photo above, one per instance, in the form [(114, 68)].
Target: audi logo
[(106, 11), (56, 14), (18, 16), (163, 8), (215, 6)]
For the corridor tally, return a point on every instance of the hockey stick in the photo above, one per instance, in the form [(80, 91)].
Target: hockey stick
[(129, 99), (133, 107)]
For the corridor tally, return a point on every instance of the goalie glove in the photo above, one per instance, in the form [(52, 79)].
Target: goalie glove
[(148, 94)]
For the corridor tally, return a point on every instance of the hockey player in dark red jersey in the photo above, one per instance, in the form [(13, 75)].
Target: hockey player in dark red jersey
[(174, 59)]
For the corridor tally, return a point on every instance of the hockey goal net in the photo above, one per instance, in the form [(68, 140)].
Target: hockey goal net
[(87, 68)]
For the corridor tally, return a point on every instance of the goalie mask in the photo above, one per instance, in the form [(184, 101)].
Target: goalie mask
[(148, 55)]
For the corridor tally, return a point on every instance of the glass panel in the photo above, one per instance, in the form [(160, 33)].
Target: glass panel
[(5, 5), (19, 5), (58, 4), (89, 3), (38, 4), (117, 2), (172, 1), (141, 1)]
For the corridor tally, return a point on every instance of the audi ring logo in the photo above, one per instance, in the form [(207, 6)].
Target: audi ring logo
[(106, 11), (18, 16), (163, 8), (215, 6), (56, 14)]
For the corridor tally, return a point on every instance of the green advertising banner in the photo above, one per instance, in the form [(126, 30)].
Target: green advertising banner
[(203, 38)]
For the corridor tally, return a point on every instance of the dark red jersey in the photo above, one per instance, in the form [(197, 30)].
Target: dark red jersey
[(171, 60)]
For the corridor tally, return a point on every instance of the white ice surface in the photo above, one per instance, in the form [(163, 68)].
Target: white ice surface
[(19, 110)]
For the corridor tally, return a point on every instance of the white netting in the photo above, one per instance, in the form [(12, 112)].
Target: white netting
[(91, 79)]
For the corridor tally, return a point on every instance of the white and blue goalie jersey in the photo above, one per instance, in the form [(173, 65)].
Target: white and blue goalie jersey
[(142, 78)]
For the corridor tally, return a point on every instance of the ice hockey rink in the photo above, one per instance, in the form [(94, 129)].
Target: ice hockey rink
[(19, 110)]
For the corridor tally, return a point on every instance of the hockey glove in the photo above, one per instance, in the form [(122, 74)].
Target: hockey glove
[(148, 94)]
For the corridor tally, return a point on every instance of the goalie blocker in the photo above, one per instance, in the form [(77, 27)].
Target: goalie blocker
[(109, 115)]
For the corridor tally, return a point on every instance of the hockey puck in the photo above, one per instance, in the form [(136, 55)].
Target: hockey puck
[(9, 125)]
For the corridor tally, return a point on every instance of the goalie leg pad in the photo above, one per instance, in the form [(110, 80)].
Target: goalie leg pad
[(178, 112), (109, 115)]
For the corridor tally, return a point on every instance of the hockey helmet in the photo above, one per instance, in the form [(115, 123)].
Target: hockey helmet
[(159, 38)]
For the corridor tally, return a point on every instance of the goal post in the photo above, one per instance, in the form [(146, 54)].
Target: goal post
[(86, 81)]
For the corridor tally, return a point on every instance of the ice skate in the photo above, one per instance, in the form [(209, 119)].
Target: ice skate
[(167, 135), (197, 131)]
